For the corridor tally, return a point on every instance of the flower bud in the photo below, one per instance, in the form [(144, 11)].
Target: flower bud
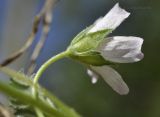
[(83, 47)]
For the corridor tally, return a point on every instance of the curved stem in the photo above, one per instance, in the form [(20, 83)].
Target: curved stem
[(48, 63), (39, 73)]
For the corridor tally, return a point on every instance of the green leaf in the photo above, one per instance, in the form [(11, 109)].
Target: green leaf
[(17, 76), (18, 84), (21, 109)]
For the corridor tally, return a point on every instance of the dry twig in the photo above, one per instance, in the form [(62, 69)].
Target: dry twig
[(47, 19), (31, 37)]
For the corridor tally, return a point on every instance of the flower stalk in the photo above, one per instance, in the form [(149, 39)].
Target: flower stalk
[(40, 72), (48, 63)]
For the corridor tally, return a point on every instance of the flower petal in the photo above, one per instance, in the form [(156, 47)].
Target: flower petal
[(111, 20), (94, 76), (121, 49), (113, 79)]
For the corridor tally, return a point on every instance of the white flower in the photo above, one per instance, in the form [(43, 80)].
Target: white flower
[(93, 48), (118, 49), (111, 77), (93, 75), (111, 20), (121, 49)]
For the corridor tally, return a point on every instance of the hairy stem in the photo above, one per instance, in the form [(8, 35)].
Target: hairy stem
[(37, 110), (30, 100)]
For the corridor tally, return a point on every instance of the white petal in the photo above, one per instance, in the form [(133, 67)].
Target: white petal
[(121, 49), (113, 79), (94, 80), (111, 20), (94, 76)]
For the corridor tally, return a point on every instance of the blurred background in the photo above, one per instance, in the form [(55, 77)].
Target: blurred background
[(67, 79)]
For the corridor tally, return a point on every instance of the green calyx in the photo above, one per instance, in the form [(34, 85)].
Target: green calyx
[(92, 58), (84, 45)]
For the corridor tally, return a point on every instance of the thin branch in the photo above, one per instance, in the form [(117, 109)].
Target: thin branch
[(29, 41), (47, 19)]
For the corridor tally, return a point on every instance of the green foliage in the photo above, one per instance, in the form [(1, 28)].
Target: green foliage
[(21, 109), (20, 91)]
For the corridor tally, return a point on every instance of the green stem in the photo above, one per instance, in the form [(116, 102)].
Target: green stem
[(61, 109), (30, 100), (60, 105), (48, 63), (39, 73), (37, 110)]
